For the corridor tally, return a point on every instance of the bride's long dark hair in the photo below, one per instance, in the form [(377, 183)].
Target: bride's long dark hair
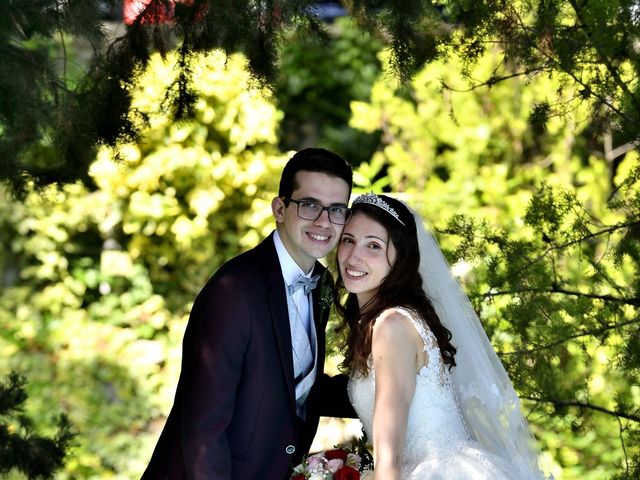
[(402, 287)]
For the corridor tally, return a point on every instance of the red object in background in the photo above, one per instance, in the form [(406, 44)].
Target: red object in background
[(153, 11), (156, 13)]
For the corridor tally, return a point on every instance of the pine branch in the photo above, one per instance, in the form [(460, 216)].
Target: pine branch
[(562, 246), (614, 72), (613, 326), (21, 449), (12, 394), (583, 405), (621, 430), (635, 301), (554, 63), (494, 79)]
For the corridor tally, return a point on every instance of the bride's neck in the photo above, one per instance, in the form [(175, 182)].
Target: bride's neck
[(366, 306)]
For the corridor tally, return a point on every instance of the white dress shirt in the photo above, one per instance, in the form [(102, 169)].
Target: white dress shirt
[(303, 333)]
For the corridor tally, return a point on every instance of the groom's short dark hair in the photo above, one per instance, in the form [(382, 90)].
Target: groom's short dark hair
[(314, 160)]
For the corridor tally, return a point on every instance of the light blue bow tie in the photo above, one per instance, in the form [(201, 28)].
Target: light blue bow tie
[(303, 282)]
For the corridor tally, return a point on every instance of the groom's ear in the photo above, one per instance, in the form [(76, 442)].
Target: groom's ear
[(278, 207)]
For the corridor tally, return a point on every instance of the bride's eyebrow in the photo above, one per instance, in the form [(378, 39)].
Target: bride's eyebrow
[(375, 238)]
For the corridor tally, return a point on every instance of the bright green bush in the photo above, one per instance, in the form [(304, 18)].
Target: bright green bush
[(106, 273), (318, 80)]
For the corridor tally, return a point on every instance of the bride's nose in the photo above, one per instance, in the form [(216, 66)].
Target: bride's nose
[(354, 255)]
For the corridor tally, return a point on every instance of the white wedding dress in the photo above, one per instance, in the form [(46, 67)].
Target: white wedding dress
[(437, 445)]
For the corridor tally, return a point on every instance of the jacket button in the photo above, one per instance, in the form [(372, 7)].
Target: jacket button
[(290, 449)]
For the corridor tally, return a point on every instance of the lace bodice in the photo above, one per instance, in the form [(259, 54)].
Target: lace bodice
[(435, 430)]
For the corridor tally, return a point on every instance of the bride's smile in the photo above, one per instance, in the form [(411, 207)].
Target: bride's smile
[(365, 256)]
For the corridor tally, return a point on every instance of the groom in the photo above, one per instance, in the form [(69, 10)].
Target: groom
[(252, 386)]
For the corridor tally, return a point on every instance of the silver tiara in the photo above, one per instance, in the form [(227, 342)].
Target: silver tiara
[(373, 199)]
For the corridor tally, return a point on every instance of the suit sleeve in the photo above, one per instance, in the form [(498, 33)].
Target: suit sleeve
[(333, 399), (214, 347)]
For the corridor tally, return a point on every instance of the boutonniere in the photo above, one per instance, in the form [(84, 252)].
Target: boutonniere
[(326, 292)]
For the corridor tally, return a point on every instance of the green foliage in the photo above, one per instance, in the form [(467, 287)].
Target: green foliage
[(36, 93), (318, 80), (592, 47), (553, 268), (22, 449), (99, 281), (565, 313), (51, 129)]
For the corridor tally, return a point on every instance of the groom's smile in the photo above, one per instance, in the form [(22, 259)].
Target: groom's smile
[(322, 239), (308, 240)]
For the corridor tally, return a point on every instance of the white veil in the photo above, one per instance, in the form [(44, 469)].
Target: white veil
[(490, 406)]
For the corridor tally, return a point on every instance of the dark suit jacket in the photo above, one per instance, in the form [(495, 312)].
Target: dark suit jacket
[(234, 414)]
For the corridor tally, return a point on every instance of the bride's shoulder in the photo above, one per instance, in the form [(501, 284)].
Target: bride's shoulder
[(393, 322), (396, 314), (389, 314)]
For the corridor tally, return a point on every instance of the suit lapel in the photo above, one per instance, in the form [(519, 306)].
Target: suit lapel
[(279, 313), (318, 320)]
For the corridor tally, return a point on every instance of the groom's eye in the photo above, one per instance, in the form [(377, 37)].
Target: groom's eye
[(310, 208), (342, 211)]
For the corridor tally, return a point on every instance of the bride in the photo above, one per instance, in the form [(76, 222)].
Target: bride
[(427, 385)]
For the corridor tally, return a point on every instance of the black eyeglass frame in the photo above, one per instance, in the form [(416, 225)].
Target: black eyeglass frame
[(347, 215)]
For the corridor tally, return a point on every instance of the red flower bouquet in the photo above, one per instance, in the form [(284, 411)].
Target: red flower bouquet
[(341, 463)]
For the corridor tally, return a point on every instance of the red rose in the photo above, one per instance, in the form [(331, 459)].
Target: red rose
[(299, 476), (346, 473), (333, 454)]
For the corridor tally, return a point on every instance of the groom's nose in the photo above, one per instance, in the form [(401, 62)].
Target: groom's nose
[(323, 219)]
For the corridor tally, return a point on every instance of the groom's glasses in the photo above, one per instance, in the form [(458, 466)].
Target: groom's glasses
[(309, 210)]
